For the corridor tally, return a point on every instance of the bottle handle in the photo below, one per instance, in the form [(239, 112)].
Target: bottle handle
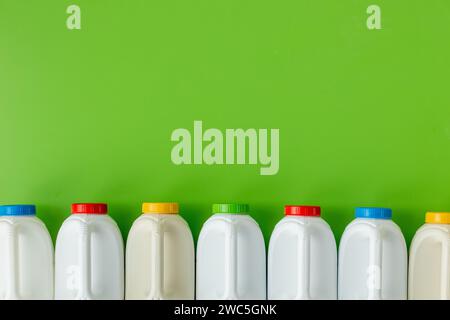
[(230, 291), (303, 262), (375, 261), (156, 260), (84, 254), (374, 281), (12, 278)]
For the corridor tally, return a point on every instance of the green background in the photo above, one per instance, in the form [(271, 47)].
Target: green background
[(364, 116)]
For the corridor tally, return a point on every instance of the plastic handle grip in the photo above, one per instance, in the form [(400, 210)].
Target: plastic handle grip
[(84, 253), (157, 261), (374, 280), (303, 262), (375, 261), (230, 292)]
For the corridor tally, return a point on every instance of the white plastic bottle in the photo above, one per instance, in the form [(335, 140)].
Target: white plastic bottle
[(160, 258), (89, 260), (302, 259), (429, 260), (231, 257), (26, 255), (372, 258)]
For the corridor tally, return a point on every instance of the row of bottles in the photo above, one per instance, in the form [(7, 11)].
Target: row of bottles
[(303, 261)]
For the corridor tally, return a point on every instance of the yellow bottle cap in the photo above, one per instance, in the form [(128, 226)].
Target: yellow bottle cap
[(160, 207), (438, 217)]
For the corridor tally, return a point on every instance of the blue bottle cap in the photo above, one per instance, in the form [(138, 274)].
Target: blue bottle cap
[(373, 213), (18, 210)]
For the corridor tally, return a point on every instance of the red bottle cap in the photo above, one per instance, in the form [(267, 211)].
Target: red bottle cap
[(306, 211), (89, 208)]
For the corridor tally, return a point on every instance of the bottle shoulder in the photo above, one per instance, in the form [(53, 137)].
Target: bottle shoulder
[(23, 220), (302, 226), (377, 223), (435, 226), (29, 225), (159, 219), (302, 220), (98, 220), (230, 222), (89, 218), (77, 225), (363, 226), (231, 218), (432, 228), (316, 223)]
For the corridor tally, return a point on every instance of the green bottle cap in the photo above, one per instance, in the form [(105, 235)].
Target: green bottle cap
[(236, 208)]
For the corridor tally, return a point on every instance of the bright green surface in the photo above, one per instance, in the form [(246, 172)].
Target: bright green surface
[(364, 116)]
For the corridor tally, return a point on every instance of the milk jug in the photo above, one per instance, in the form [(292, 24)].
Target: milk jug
[(89, 261), (429, 260), (372, 258), (26, 255), (302, 259), (160, 258), (231, 257)]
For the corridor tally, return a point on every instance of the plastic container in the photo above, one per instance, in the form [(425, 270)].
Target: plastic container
[(429, 260), (231, 257), (160, 257), (302, 260), (26, 255), (89, 261), (372, 258)]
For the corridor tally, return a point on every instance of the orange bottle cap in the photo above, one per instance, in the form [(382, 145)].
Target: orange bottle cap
[(438, 217)]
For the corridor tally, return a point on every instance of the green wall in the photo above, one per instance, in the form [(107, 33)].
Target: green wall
[(364, 115)]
